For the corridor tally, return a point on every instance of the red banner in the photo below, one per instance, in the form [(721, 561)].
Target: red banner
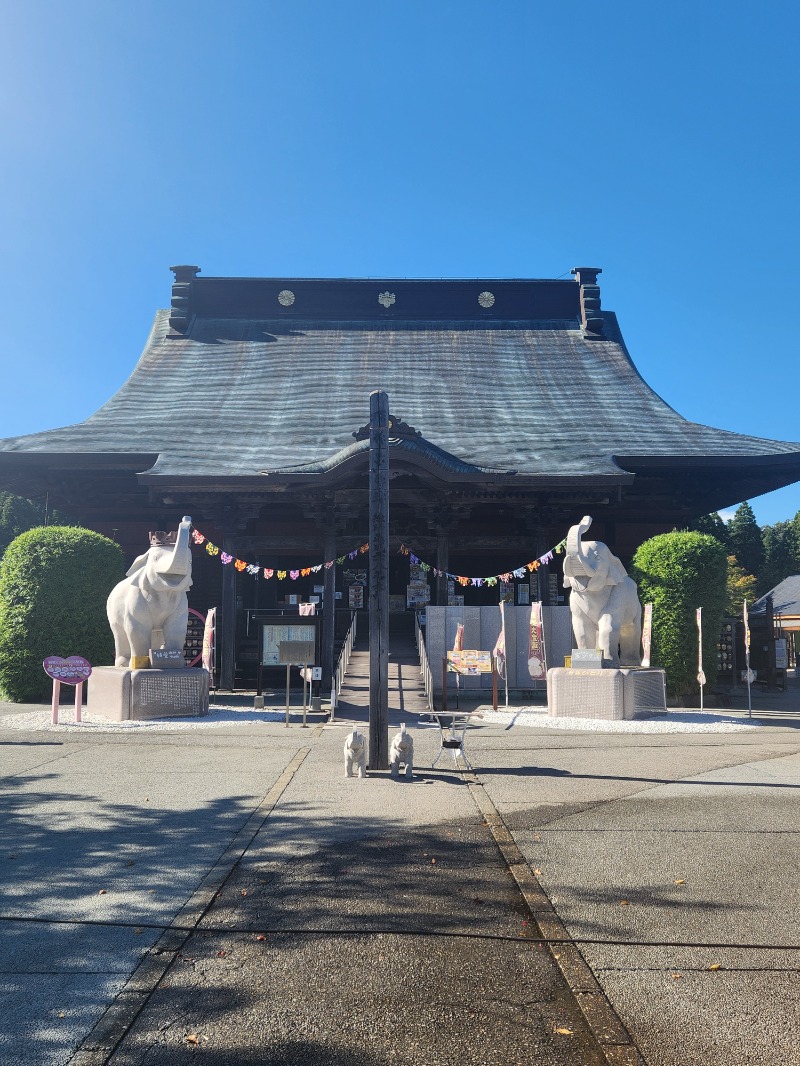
[(537, 667)]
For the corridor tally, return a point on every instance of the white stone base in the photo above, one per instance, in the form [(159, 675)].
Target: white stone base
[(608, 694), (121, 694)]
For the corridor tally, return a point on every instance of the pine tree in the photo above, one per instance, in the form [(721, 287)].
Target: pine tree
[(745, 539), (711, 524), (17, 515), (781, 554)]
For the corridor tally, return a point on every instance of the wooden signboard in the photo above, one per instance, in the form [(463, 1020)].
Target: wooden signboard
[(469, 662)]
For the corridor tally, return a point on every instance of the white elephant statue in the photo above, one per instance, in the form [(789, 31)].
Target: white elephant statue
[(151, 602), (604, 601)]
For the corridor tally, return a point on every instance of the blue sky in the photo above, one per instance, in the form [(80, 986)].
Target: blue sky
[(415, 139)]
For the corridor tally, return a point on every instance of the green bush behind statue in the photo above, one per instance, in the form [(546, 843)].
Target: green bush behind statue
[(54, 582), (677, 573)]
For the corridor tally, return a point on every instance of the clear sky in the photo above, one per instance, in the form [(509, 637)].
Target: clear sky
[(423, 138)]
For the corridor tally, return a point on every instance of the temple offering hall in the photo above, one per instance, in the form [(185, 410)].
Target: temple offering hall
[(515, 409)]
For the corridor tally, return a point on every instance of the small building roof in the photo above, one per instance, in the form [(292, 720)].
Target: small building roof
[(785, 599)]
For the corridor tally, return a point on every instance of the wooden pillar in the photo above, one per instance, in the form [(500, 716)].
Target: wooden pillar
[(329, 612), (227, 623), (442, 563), (378, 580)]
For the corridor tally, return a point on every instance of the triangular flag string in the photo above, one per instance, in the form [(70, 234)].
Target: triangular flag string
[(256, 569), (477, 582)]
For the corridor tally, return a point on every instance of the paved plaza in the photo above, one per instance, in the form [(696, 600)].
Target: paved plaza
[(222, 890)]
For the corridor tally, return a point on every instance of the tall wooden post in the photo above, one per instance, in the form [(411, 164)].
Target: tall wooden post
[(378, 580), (329, 611), (442, 563)]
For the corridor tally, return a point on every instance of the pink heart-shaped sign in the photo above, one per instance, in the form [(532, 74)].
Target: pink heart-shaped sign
[(71, 671)]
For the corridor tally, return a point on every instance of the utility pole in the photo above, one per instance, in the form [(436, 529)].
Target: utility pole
[(378, 580)]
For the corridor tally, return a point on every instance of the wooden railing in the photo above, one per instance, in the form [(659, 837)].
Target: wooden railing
[(344, 659)]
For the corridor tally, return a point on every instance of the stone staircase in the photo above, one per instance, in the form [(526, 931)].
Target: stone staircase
[(406, 693)]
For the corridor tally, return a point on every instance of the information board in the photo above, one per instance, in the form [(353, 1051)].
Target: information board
[(274, 634), (470, 662)]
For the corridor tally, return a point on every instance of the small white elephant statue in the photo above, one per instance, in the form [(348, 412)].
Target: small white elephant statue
[(604, 601), (152, 599), (402, 751), (355, 754)]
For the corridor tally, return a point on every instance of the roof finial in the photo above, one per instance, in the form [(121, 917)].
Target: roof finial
[(181, 291), (592, 322)]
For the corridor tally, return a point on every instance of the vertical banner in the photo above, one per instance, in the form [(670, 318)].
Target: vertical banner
[(458, 645), (500, 647), (647, 634), (537, 666), (748, 671), (209, 630)]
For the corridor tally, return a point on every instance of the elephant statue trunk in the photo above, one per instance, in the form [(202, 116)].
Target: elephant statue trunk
[(583, 569), (604, 601), (153, 599)]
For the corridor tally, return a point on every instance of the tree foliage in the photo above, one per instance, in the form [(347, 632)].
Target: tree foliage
[(744, 539), (741, 587), (679, 572), (18, 514), (711, 524), (781, 554), (54, 582)]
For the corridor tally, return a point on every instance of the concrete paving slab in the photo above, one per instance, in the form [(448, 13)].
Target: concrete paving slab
[(107, 832), (349, 858), (420, 956), (719, 817), (45, 948), (370, 1000), (718, 1019), (43, 1012)]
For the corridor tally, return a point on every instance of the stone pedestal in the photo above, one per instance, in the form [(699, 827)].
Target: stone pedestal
[(610, 694), (122, 694)]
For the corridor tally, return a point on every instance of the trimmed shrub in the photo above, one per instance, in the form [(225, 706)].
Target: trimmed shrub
[(54, 583), (677, 573)]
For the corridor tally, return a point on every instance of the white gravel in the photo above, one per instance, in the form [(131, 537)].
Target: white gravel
[(219, 715), (536, 717), (671, 722)]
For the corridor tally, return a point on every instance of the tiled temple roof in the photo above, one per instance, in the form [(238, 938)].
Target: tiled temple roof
[(237, 382)]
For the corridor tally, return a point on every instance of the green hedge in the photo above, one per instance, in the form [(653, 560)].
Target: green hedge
[(677, 573), (54, 583)]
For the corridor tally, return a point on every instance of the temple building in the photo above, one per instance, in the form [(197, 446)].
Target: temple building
[(515, 410)]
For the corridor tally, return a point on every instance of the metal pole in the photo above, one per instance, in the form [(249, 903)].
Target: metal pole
[(288, 668), (306, 672), (378, 580)]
